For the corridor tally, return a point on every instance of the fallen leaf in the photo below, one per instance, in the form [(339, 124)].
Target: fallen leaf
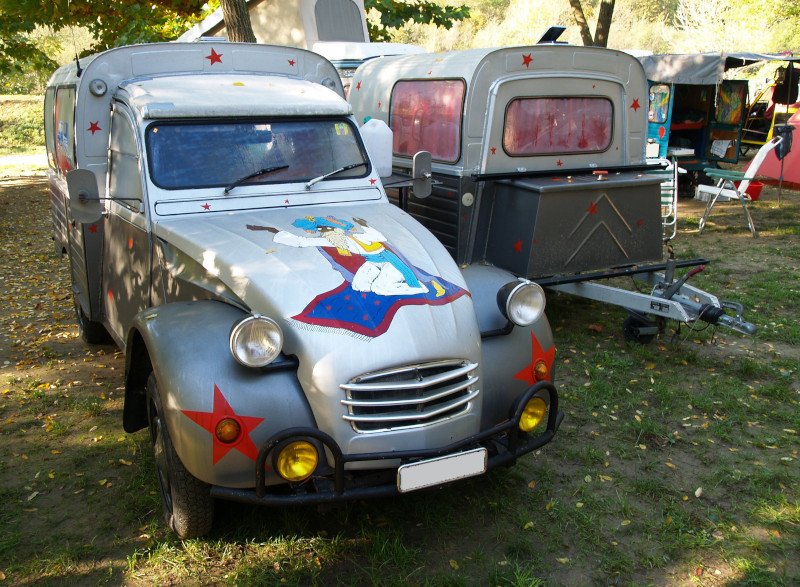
[(454, 564), (528, 526), (596, 328), (126, 463), (625, 522), (698, 492), (563, 561)]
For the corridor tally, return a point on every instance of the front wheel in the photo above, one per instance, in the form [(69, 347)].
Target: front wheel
[(186, 501)]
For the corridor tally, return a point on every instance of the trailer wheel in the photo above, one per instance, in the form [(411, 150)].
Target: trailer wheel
[(90, 331), (186, 501), (630, 328)]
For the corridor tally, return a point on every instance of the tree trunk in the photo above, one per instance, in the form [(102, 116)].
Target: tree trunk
[(603, 23), (237, 21), (580, 18)]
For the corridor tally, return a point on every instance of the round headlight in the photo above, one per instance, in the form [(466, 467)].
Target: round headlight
[(522, 302), (296, 461), (256, 341)]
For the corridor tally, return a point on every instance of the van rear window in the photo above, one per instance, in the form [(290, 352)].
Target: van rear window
[(548, 125), (425, 115)]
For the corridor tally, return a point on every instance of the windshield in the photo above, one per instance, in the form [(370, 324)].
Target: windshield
[(185, 155)]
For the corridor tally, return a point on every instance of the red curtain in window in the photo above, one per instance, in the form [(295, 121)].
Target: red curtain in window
[(425, 115), (540, 126)]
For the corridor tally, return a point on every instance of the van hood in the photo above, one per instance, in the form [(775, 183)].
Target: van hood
[(363, 274)]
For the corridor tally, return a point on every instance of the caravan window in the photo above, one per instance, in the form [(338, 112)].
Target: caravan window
[(49, 132), (425, 115), (544, 126), (65, 129)]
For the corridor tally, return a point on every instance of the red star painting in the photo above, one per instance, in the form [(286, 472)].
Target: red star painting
[(222, 409), (635, 104), (214, 57), (592, 209), (291, 62), (358, 86), (538, 354), (94, 127), (518, 246), (527, 60), (206, 206)]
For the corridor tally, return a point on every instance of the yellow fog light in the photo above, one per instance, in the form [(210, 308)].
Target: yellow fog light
[(541, 372), (297, 461), (227, 430), (533, 414)]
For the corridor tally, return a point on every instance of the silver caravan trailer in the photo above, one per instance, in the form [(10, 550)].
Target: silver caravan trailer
[(539, 155), (290, 336)]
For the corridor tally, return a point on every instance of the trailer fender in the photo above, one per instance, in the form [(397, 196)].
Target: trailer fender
[(186, 346)]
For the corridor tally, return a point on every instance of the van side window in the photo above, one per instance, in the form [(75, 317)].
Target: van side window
[(49, 134), (543, 126), (124, 178), (65, 129), (425, 115)]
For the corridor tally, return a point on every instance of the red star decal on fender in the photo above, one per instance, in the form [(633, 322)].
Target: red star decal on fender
[(214, 57), (206, 206), (291, 62), (93, 228), (538, 354), (518, 246), (635, 104), (209, 421), (94, 127), (358, 85), (526, 60), (494, 150), (372, 180), (592, 209)]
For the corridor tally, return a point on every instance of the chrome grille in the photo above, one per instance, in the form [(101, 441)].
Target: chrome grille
[(409, 396)]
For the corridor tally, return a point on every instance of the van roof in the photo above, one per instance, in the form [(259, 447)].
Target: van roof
[(218, 95)]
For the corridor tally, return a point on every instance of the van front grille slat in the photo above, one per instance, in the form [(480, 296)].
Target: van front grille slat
[(410, 396)]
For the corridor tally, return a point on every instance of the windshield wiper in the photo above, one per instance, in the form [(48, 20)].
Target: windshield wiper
[(252, 175), (334, 172)]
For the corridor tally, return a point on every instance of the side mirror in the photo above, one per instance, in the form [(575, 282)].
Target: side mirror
[(84, 198), (421, 174)]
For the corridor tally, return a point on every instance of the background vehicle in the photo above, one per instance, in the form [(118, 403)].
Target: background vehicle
[(539, 153), (290, 336)]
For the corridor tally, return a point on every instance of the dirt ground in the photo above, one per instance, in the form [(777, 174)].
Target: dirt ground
[(63, 450)]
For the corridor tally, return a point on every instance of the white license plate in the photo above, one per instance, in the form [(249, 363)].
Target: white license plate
[(441, 470)]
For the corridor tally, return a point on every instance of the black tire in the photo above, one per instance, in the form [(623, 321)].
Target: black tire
[(630, 329), (90, 331), (186, 501)]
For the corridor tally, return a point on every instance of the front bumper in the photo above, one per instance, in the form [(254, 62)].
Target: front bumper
[(504, 443)]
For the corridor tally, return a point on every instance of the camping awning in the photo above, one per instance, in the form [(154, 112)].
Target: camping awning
[(700, 68)]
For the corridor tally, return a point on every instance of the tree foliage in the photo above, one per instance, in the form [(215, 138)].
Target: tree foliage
[(111, 23), (396, 13)]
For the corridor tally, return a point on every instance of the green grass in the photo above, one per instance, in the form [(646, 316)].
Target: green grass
[(21, 124)]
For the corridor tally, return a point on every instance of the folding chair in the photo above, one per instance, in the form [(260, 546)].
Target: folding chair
[(726, 188), (669, 196)]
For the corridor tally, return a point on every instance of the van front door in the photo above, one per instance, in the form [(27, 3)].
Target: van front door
[(126, 249)]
